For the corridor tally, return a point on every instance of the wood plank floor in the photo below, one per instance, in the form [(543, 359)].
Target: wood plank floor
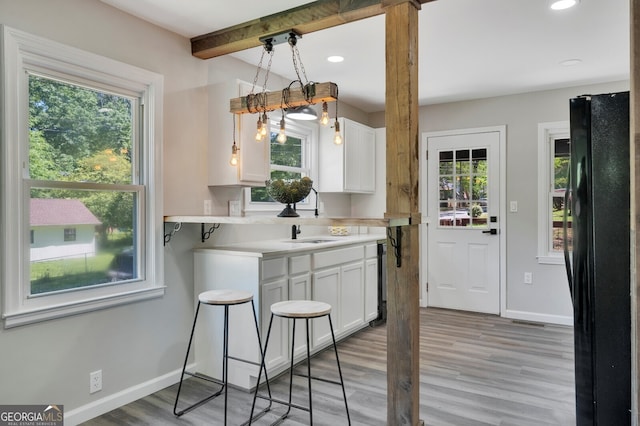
[(475, 370)]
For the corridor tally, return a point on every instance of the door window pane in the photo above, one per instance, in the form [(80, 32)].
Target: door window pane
[(463, 188)]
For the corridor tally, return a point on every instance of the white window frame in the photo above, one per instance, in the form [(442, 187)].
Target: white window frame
[(308, 133), (21, 52), (548, 133)]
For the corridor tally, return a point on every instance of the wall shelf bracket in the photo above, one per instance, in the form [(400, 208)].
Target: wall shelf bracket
[(167, 237), (396, 243), (206, 234)]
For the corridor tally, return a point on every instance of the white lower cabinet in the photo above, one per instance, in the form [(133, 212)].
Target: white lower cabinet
[(325, 286), (299, 289), (277, 351), (371, 282), (338, 276)]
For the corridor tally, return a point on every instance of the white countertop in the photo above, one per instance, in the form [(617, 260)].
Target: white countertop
[(287, 246)]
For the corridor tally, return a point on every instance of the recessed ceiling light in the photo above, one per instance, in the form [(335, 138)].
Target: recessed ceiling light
[(562, 4), (335, 59), (570, 62)]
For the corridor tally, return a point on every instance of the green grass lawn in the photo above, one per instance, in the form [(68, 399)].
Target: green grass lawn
[(63, 274)]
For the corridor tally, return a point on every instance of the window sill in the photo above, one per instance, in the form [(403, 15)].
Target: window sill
[(73, 308), (551, 260)]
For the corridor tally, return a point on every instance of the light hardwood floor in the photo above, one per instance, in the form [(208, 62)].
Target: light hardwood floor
[(475, 369)]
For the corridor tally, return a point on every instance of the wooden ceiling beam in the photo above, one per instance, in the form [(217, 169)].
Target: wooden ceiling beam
[(304, 19)]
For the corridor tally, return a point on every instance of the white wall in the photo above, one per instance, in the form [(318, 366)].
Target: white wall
[(139, 344), (547, 299)]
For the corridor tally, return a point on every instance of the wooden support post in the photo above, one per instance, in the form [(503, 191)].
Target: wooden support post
[(401, 117), (635, 208)]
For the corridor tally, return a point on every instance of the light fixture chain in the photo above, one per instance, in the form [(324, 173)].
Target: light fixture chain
[(266, 75), (255, 79), (295, 53)]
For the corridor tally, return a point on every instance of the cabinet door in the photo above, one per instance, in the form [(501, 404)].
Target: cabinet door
[(253, 167), (300, 289), (325, 287), (359, 157), (277, 353), (351, 296), (254, 157), (371, 290)]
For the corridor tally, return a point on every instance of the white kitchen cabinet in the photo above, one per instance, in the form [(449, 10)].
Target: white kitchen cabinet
[(371, 282), (253, 167), (277, 351), (351, 166), (338, 279), (325, 286), (351, 296), (333, 275), (300, 289)]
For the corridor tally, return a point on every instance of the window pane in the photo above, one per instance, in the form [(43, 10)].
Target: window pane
[(283, 155), (561, 157), (78, 134), (288, 153), (81, 238)]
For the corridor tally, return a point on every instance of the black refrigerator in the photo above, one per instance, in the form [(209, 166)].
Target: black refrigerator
[(599, 266)]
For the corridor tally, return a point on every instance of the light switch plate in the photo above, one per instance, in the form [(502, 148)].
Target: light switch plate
[(234, 208), (513, 206)]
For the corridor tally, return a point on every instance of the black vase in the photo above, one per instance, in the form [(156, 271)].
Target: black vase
[(288, 212)]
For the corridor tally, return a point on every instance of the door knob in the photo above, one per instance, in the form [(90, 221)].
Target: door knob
[(491, 231)]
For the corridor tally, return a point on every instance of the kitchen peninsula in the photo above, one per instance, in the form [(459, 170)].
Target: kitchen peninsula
[(339, 270)]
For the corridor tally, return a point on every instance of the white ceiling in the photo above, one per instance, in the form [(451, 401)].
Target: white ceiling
[(468, 48)]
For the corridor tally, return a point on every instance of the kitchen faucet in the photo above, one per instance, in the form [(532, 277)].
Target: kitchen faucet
[(295, 230)]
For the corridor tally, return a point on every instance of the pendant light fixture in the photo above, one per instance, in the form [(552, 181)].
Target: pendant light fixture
[(324, 118), (234, 148), (294, 101)]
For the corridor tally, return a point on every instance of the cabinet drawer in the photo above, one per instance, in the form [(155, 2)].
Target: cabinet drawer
[(298, 264), (371, 250), (335, 257), (272, 268)]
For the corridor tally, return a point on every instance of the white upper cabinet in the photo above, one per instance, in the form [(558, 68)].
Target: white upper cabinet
[(351, 166), (253, 167)]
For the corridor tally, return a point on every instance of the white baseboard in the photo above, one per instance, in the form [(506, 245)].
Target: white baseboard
[(535, 317), (124, 397)]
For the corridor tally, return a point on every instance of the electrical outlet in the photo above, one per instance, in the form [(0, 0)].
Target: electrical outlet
[(207, 207), (95, 381), (528, 278)]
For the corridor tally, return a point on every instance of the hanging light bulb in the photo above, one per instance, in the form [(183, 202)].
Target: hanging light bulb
[(265, 125), (282, 137), (234, 154), (324, 118), (259, 130), (234, 148), (337, 138)]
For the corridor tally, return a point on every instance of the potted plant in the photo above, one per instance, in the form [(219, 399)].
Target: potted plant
[(289, 191)]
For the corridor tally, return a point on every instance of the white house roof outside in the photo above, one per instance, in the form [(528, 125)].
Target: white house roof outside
[(53, 211)]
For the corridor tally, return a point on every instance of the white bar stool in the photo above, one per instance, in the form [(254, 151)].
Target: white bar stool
[(224, 298), (298, 309)]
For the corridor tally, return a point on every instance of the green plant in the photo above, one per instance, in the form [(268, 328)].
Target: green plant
[(476, 210), (289, 191)]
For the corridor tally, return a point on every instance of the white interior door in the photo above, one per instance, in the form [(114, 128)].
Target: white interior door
[(463, 208)]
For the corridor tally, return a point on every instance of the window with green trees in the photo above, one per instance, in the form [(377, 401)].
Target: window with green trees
[(81, 180), (289, 160), (80, 149)]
